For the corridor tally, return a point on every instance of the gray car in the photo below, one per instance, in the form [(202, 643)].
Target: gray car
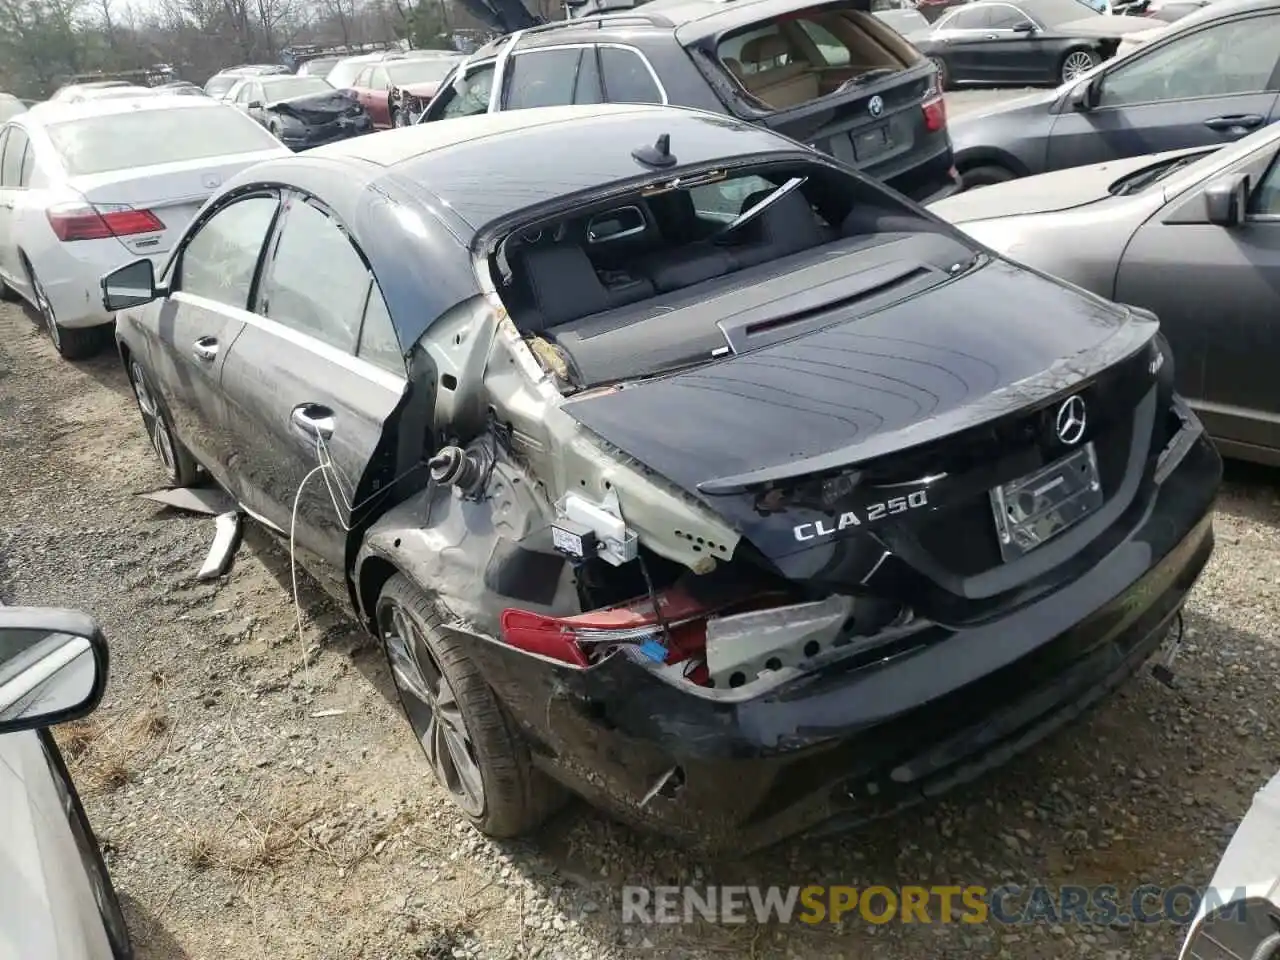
[(1191, 235), (1211, 79)]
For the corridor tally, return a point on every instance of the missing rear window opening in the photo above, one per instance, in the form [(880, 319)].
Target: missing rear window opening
[(671, 273), (799, 57)]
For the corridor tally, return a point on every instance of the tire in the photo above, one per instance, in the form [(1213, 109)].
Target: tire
[(985, 176), (944, 75), (502, 794), (180, 467), (72, 343), (1077, 62), (397, 118)]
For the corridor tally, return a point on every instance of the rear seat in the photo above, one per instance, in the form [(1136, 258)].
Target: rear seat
[(565, 286), (781, 85)]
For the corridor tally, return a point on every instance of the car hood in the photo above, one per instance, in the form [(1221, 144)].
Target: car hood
[(979, 346), (424, 89), (1047, 193), (315, 107)]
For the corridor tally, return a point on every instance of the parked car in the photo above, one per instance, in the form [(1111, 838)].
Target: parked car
[(220, 84), (60, 901), (830, 75), (303, 112), (343, 74), (396, 92), (318, 67), (182, 88), (85, 187), (899, 14), (1239, 915), (76, 91), (1208, 80), (110, 93), (1013, 42), (10, 106), (1170, 11), (1122, 229), (719, 435)]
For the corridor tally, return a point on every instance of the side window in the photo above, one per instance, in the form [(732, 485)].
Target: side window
[(1266, 198), (363, 78), (378, 343), (833, 51), (316, 282), (469, 97), (626, 77), (723, 201), (975, 18), (1006, 18), (15, 149), (219, 261), (1223, 60), (543, 78)]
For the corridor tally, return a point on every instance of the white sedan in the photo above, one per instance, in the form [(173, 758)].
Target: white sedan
[(86, 187)]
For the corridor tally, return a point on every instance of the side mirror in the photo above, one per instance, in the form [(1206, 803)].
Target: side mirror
[(53, 667), (255, 104), (1226, 199), (129, 286), (1084, 95), (1026, 26)]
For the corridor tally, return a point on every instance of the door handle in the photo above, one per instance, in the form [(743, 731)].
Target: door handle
[(313, 420), (205, 349), (1238, 122)]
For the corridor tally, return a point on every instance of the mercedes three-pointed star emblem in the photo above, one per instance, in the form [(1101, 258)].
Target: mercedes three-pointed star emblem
[(1070, 422)]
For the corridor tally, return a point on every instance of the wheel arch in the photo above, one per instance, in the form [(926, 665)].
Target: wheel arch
[(990, 157), (370, 576)]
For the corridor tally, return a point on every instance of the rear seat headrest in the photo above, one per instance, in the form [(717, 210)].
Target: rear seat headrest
[(763, 50)]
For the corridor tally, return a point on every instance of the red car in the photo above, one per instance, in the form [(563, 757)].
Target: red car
[(395, 92)]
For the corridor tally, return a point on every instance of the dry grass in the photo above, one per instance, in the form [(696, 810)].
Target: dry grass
[(104, 755)]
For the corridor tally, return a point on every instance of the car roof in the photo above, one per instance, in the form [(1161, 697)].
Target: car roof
[(61, 112), (482, 178)]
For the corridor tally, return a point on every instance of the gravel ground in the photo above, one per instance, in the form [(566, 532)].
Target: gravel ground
[(258, 795)]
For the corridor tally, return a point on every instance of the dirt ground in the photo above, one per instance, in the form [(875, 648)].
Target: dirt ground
[(258, 794)]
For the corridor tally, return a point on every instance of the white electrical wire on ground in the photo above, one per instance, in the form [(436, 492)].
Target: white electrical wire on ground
[(342, 508)]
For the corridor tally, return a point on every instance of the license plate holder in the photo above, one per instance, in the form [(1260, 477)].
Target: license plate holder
[(1036, 508), (869, 144)]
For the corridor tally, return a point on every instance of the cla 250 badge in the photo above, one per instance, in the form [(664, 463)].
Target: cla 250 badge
[(873, 511)]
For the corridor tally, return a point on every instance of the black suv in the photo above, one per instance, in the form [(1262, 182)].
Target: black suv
[(828, 74)]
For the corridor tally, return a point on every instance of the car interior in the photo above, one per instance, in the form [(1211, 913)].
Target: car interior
[(792, 60), (662, 278)]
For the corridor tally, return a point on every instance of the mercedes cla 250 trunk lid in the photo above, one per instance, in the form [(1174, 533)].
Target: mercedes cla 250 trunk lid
[(936, 431)]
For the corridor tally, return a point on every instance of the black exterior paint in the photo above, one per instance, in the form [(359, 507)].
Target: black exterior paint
[(997, 655), (866, 736)]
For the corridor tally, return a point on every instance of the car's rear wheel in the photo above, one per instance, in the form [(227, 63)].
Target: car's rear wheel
[(985, 176), (179, 466), (472, 747), (944, 77), (73, 343), (1076, 63)]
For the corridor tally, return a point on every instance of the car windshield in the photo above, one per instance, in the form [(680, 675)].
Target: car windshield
[(404, 72), (345, 73), (120, 141), (282, 88)]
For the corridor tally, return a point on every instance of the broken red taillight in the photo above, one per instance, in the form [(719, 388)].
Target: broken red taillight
[(680, 637)]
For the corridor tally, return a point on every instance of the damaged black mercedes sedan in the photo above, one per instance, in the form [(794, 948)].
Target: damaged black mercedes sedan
[(693, 471)]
